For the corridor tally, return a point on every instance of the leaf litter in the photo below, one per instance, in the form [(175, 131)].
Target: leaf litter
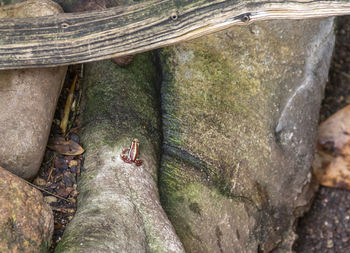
[(326, 227), (63, 160)]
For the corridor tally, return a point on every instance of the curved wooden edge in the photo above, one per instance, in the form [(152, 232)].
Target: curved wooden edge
[(83, 37)]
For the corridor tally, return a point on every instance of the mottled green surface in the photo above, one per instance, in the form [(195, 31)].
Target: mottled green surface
[(121, 103), (5, 2), (119, 209), (237, 148)]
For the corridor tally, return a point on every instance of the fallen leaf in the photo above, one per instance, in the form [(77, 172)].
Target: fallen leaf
[(61, 146), (336, 129), (58, 226), (332, 158), (73, 163), (74, 193)]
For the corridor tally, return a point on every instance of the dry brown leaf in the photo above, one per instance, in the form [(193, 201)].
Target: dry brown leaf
[(336, 129), (73, 163), (74, 193), (61, 146), (332, 160)]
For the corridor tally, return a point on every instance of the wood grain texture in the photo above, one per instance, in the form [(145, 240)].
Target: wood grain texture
[(82, 37)]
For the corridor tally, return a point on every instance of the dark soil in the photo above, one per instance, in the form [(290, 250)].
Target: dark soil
[(326, 227), (58, 173)]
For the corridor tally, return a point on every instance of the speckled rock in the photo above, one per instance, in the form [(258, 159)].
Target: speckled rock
[(240, 111), (26, 221), (118, 206), (27, 102)]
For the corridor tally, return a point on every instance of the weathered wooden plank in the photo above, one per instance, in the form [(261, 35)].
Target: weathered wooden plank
[(82, 37)]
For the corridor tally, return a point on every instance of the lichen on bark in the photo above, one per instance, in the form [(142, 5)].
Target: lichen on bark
[(229, 151), (120, 199)]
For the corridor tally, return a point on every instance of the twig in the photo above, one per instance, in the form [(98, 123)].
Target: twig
[(62, 210), (68, 105), (51, 167), (42, 189), (345, 75)]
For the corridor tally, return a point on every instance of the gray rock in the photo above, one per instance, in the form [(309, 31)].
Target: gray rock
[(118, 206), (240, 112), (26, 221), (27, 103)]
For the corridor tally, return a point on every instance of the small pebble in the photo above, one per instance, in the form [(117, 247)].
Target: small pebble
[(318, 246), (336, 220), (50, 199), (330, 243), (345, 239), (40, 182), (72, 200), (330, 234)]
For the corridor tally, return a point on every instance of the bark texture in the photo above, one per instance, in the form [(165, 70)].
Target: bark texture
[(119, 208), (90, 36), (240, 112)]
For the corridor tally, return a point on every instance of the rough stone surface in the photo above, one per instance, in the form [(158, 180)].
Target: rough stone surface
[(27, 103), (26, 221), (29, 8), (240, 112), (118, 205)]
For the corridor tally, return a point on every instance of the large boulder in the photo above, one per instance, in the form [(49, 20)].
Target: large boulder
[(26, 221), (118, 206), (28, 100), (240, 112)]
